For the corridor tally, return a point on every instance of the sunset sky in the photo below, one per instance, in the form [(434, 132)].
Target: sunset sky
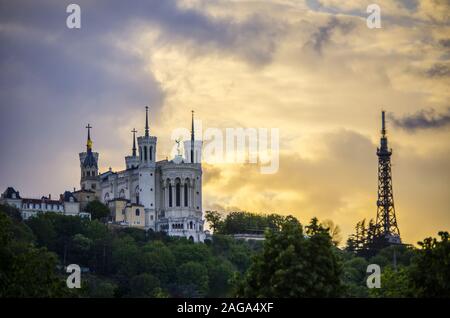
[(311, 68)]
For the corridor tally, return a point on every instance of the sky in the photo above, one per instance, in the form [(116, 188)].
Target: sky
[(312, 69)]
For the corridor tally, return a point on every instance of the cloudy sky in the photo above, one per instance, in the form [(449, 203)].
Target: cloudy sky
[(310, 68)]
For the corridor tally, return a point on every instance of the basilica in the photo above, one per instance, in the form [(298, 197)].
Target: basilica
[(163, 195), (154, 195)]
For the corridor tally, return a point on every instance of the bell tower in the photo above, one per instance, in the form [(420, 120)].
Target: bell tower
[(89, 166), (147, 170), (132, 161)]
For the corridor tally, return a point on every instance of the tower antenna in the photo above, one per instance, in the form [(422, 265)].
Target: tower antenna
[(386, 225)]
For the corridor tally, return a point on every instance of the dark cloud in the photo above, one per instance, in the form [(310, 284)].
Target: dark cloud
[(324, 33), (423, 119), (438, 70), (445, 43), (411, 5), (54, 80)]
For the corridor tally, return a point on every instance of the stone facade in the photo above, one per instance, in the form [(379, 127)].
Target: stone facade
[(155, 195)]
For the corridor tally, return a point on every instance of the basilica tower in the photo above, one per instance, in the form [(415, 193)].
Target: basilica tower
[(145, 192), (89, 166), (132, 161)]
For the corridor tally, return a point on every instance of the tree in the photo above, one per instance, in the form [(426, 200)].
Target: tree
[(44, 231), (214, 220), (98, 210), (354, 277), (95, 287), (220, 272), (334, 231), (81, 248), (192, 280), (25, 271), (292, 265), (394, 284), (11, 211), (158, 259), (430, 271), (144, 286), (126, 256)]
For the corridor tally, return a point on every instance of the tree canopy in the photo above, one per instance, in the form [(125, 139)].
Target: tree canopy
[(293, 261)]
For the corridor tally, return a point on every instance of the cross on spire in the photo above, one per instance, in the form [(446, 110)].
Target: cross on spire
[(134, 131), (89, 130), (89, 141)]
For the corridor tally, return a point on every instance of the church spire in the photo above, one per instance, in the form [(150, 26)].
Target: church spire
[(192, 138), (134, 131), (192, 126), (89, 141), (146, 122)]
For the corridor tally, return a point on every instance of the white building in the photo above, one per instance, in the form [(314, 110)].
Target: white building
[(158, 195), (67, 204)]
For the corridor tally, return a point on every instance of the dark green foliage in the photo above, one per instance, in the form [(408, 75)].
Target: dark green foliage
[(214, 220), (144, 286), (395, 283), (128, 262), (117, 262), (98, 210), (430, 271), (354, 277), (192, 280), (25, 271), (242, 222), (95, 287), (292, 265)]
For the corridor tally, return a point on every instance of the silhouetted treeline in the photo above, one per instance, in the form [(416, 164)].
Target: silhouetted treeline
[(293, 261)]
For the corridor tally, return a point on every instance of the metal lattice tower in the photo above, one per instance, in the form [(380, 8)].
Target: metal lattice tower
[(386, 226)]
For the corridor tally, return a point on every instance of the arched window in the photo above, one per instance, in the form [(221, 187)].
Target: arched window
[(137, 194), (170, 194), (138, 212), (145, 153), (186, 189), (190, 225), (106, 199), (151, 153), (122, 194), (178, 192)]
